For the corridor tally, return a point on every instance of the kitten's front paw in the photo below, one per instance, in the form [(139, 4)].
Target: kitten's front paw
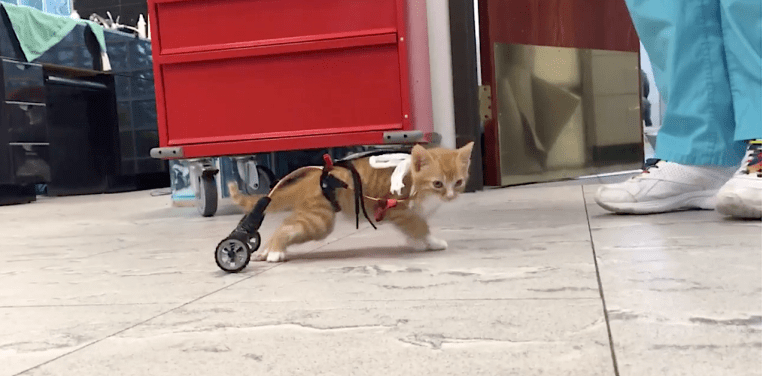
[(430, 243), (269, 256), (261, 255), (436, 244), (417, 245), (274, 256)]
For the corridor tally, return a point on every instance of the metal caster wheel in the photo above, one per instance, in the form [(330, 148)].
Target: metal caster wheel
[(233, 253), (207, 195), (255, 179)]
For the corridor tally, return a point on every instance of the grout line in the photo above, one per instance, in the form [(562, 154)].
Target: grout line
[(142, 322), (601, 288), (85, 305), (294, 301), (168, 311), (438, 300)]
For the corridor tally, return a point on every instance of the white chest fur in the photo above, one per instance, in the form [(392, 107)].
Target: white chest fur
[(428, 206)]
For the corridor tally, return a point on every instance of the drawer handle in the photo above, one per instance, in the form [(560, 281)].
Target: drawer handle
[(19, 103)]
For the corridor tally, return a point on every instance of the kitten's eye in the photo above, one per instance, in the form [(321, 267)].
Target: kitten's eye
[(459, 183), (438, 185)]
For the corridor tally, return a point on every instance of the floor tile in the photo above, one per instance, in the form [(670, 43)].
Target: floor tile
[(474, 267), (683, 291), (30, 336), (561, 337), (510, 244), (516, 292), (138, 254)]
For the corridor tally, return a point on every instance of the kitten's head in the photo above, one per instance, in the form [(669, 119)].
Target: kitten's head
[(440, 172)]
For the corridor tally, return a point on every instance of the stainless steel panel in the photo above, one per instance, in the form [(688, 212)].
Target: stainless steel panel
[(566, 112)]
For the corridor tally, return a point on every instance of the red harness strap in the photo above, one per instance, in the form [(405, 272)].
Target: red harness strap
[(327, 162), (383, 206)]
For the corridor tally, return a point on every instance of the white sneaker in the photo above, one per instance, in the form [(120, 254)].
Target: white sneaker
[(665, 186), (741, 196)]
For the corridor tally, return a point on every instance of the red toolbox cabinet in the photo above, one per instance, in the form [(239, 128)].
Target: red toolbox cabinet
[(251, 76)]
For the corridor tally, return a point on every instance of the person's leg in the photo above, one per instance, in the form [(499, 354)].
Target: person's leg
[(696, 143), (741, 25), (684, 42)]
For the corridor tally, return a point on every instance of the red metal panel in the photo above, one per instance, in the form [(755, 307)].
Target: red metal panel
[(265, 97), (404, 74), (330, 73), (159, 85), (216, 24), (280, 49), (594, 24)]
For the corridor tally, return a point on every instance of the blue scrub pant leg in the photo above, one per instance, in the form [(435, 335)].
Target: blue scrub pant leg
[(706, 57), (741, 25)]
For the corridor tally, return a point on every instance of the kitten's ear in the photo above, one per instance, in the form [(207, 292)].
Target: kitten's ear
[(464, 153), (420, 158)]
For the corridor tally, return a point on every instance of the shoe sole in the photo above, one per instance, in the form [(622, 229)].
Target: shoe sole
[(733, 206), (704, 200)]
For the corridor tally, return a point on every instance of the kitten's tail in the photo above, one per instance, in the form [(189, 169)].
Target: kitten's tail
[(297, 188), (245, 201)]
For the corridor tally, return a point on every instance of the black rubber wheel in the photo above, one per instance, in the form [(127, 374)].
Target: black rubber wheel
[(207, 196), (270, 179), (255, 242), (233, 253)]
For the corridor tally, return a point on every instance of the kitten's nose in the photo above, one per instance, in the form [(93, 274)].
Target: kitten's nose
[(450, 195)]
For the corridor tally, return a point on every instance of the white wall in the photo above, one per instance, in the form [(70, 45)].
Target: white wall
[(440, 53)]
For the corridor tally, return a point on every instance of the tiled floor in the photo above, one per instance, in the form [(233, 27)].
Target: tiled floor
[(538, 280)]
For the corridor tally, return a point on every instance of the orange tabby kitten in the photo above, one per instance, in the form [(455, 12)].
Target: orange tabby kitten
[(436, 175)]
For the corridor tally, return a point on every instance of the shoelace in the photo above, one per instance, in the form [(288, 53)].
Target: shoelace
[(754, 159), (651, 163), (648, 166)]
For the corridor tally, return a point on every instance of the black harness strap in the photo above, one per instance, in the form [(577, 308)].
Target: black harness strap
[(358, 192), (329, 184)]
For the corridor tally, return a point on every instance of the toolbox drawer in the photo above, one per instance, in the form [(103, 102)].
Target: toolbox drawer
[(204, 25), (30, 163), (26, 122), (239, 77), (258, 97), (23, 82)]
